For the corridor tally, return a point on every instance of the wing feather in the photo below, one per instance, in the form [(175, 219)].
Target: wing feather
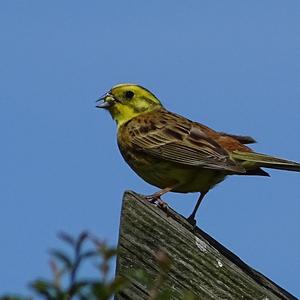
[(244, 139), (182, 141)]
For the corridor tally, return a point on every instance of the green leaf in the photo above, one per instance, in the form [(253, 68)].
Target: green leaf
[(67, 238), (78, 286), (89, 254), (118, 284), (43, 288), (63, 258), (101, 291), (82, 237), (108, 253), (10, 297)]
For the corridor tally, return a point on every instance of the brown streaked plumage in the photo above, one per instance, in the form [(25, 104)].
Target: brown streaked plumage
[(177, 154)]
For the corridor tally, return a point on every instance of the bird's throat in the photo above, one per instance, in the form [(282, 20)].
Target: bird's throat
[(124, 113)]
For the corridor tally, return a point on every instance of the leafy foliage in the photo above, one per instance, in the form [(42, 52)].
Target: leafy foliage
[(67, 284)]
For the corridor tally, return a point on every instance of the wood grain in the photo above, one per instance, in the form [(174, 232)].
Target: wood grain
[(199, 263)]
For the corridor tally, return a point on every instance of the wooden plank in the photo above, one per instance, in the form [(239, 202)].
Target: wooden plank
[(198, 262)]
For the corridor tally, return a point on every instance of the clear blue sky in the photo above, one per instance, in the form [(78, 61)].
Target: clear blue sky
[(233, 65)]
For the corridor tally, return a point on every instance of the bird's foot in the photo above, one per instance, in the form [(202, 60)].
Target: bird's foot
[(192, 221), (163, 205), (155, 199)]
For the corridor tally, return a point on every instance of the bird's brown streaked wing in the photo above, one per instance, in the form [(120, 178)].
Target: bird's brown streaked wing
[(244, 139), (183, 143)]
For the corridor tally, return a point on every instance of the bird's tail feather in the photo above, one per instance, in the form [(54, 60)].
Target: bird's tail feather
[(265, 161)]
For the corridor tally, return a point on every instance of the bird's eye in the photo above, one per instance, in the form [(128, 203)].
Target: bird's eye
[(129, 94)]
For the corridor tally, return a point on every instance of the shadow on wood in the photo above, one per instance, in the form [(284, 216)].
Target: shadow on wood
[(199, 263)]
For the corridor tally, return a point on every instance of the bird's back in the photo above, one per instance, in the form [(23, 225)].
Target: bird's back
[(165, 148)]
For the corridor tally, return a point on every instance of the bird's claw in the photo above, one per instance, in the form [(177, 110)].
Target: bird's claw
[(155, 199), (192, 221)]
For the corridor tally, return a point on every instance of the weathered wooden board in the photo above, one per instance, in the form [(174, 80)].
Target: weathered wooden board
[(198, 262)]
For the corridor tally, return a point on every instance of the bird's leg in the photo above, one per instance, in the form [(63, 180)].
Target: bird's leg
[(155, 198), (191, 218)]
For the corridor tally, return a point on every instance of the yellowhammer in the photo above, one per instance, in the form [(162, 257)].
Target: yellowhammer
[(177, 154)]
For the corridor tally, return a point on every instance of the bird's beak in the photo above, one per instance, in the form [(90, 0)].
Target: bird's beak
[(105, 101)]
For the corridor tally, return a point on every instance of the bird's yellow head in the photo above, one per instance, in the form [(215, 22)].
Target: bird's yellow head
[(126, 101)]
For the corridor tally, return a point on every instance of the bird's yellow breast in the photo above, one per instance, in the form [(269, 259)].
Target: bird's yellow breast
[(123, 113), (161, 173)]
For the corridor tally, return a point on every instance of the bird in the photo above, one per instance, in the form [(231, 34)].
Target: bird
[(176, 154)]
